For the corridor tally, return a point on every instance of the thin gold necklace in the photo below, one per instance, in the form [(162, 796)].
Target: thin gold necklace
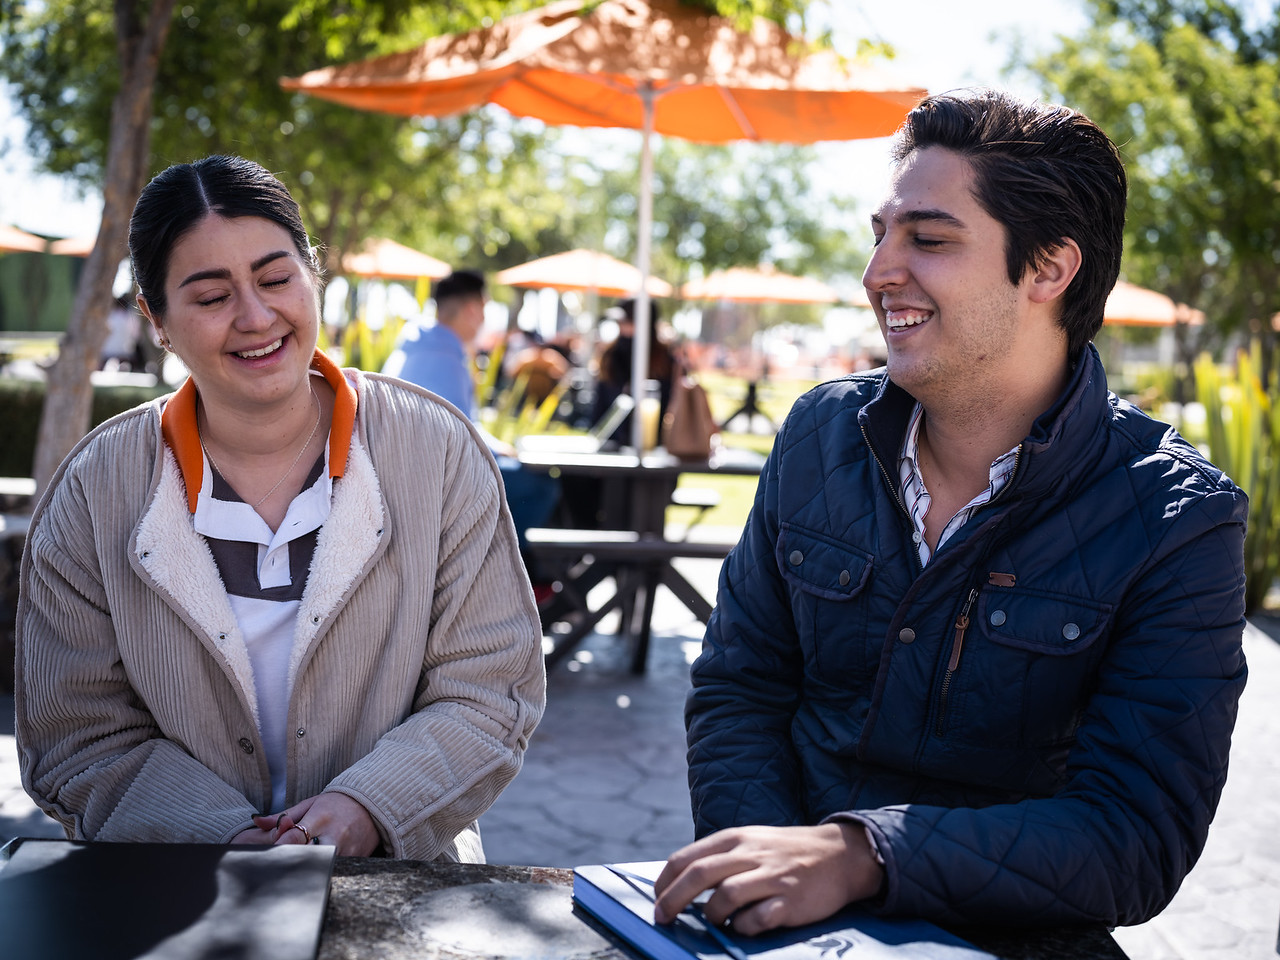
[(311, 436)]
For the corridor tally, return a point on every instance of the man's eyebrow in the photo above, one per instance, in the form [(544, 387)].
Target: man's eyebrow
[(925, 215), (224, 274)]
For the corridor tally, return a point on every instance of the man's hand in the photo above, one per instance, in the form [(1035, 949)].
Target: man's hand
[(766, 877), (333, 818)]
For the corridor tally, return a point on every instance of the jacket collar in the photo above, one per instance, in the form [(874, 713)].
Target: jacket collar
[(178, 424), (1065, 441)]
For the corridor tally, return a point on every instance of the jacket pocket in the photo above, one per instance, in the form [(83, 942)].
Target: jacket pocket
[(826, 580), (1033, 667)]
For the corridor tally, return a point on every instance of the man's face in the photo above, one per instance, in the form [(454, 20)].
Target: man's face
[(469, 319), (938, 283)]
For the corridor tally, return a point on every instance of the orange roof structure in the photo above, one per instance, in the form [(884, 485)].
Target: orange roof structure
[(74, 246), (582, 270)]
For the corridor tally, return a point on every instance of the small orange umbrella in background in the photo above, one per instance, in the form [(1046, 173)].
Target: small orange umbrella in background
[(582, 270), (650, 65), (761, 285), (382, 259), (1134, 306), (74, 246), (13, 240)]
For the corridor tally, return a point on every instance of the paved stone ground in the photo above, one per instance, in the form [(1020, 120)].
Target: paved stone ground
[(604, 780)]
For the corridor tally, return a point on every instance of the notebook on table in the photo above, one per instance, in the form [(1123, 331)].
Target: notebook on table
[(591, 442), (620, 896), (162, 901)]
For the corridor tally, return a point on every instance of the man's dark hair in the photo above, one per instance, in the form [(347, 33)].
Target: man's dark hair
[(460, 283), (1045, 172), (183, 195)]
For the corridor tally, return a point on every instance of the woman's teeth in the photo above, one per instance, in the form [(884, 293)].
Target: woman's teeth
[(255, 354)]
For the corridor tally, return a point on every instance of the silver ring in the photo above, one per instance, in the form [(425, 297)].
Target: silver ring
[(305, 832)]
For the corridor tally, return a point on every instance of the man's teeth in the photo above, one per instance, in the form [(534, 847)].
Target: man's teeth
[(905, 318), (255, 354)]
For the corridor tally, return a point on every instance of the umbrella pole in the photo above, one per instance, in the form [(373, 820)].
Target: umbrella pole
[(640, 340)]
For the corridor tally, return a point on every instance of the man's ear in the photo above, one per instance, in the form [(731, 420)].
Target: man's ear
[(1055, 271)]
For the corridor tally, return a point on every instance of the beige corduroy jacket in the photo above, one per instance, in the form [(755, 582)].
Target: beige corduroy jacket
[(417, 672)]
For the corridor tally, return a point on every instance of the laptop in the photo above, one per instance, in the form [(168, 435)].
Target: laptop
[(591, 442)]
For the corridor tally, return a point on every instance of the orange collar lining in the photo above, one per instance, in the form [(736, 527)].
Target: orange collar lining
[(178, 425)]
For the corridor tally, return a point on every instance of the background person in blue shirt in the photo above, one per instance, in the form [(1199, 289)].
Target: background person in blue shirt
[(439, 358)]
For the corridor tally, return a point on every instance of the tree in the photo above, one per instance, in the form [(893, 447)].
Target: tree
[(1191, 94), (140, 32)]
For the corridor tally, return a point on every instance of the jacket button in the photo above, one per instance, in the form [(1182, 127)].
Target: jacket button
[(315, 619), (907, 635), (997, 618), (246, 745), (302, 732), (844, 578), (1070, 631), (796, 558)]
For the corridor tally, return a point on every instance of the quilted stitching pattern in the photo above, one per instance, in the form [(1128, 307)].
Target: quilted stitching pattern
[(1067, 771)]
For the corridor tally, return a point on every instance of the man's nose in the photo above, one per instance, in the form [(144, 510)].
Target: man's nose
[(884, 269)]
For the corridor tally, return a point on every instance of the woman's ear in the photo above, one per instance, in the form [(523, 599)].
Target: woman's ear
[(153, 320), (1055, 271)]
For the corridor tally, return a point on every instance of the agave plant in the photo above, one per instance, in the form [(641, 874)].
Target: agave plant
[(1243, 423)]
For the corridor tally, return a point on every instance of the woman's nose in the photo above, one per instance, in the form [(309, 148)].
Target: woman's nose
[(255, 312)]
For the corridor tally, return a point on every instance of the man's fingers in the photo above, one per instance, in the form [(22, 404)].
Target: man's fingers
[(767, 914)]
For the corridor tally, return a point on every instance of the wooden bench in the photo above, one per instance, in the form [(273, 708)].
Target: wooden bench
[(638, 563)]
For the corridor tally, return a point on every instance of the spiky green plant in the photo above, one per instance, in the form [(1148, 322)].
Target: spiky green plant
[(1243, 423)]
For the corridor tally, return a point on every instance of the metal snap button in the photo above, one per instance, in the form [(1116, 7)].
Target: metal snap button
[(844, 578), (302, 732), (907, 635), (796, 558), (246, 745), (1071, 631), (997, 617)]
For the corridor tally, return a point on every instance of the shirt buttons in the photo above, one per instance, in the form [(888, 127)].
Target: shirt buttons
[(997, 618), (246, 745), (1070, 631), (907, 635), (796, 558), (844, 578), (915, 537)]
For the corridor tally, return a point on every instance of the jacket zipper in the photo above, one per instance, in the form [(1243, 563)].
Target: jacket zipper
[(957, 644)]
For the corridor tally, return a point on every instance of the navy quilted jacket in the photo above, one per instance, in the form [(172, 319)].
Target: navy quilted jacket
[(1060, 758)]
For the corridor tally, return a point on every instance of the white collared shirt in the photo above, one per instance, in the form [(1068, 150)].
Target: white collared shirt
[(916, 498)]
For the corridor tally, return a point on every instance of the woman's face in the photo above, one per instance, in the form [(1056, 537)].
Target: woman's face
[(243, 311)]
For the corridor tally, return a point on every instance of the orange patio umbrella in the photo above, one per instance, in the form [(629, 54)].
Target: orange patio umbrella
[(74, 246), (13, 240), (1131, 305), (382, 259), (582, 270), (760, 285), (650, 65)]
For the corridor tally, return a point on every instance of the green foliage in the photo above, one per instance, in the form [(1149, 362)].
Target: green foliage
[(22, 402), (1243, 421), (1191, 95), (361, 346)]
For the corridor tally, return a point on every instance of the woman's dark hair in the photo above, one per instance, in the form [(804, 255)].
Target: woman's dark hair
[(1046, 173), (184, 194)]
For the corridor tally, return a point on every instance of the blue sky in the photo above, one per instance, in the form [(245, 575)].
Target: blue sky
[(940, 46)]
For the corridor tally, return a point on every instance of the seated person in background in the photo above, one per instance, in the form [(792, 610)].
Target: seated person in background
[(438, 358), (977, 656), (286, 588), (613, 375)]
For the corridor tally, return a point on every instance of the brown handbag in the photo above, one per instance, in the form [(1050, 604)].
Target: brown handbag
[(689, 430)]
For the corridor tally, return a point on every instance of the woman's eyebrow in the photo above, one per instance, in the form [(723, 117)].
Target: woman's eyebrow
[(223, 273)]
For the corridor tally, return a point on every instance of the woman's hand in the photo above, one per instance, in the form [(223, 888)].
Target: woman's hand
[(328, 818)]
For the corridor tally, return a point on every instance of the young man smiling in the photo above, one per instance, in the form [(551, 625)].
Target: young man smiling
[(977, 656)]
